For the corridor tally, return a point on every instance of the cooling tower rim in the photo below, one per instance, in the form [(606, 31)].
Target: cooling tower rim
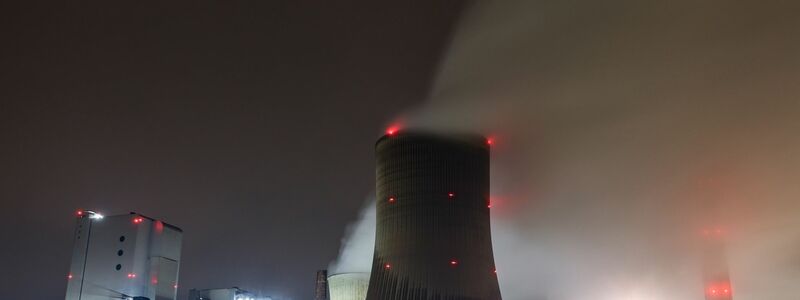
[(454, 136), (349, 273)]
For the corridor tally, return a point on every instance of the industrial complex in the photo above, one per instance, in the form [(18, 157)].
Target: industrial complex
[(433, 237), (233, 293)]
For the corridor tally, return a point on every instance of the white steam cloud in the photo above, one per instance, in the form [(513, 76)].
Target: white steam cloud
[(358, 244), (624, 128)]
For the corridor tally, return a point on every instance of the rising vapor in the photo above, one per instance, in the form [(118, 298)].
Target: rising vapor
[(624, 129)]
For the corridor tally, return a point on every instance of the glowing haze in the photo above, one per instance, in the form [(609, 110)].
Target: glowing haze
[(623, 130)]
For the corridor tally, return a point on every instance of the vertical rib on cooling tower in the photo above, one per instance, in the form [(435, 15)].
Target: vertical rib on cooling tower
[(433, 236)]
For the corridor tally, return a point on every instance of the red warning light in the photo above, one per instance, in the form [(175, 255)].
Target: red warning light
[(131, 275), (159, 227), (392, 129), (392, 199), (453, 262), (451, 195), (175, 286), (154, 280), (490, 141), (79, 213), (69, 276), (387, 266), (722, 290), (138, 220)]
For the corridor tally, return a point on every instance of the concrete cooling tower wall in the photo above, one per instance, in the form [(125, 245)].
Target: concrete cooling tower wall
[(348, 286)]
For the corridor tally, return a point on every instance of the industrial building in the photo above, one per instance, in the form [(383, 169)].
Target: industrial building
[(233, 293), (433, 238), (348, 286), (127, 256)]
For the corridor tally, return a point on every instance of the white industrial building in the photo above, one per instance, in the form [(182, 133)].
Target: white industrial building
[(130, 256), (348, 286), (233, 293)]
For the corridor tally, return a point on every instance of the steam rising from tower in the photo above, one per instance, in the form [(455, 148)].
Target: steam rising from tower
[(433, 238)]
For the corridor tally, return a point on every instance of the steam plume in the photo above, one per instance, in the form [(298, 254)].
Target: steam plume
[(624, 128)]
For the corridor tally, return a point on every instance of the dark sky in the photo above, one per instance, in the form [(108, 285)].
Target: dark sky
[(250, 124)]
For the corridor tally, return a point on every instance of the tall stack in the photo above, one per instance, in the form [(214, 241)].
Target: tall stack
[(433, 235), (716, 276), (321, 289)]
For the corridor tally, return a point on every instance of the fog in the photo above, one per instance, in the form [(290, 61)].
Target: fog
[(624, 129)]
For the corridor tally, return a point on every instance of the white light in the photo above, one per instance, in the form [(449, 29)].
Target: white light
[(94, 215)]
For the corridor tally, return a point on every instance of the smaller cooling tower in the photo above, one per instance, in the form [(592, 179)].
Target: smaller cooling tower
[(349, 286)]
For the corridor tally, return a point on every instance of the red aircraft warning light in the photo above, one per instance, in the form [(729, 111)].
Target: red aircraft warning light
[(387, 266), (138, 220), (719, 291), (392, 199), (453, 262), (392, 129), (131, 275)]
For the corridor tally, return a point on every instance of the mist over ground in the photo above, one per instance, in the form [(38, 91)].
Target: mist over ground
[(624, 129)]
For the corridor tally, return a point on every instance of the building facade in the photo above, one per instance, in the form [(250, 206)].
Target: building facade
[(127, 256), (233, 293)]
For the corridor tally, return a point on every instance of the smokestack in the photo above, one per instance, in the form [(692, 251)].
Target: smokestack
[(716, 277), (321, 290), (433, 238)]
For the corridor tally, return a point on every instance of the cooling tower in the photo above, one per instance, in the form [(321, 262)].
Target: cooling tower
[(349, 286), (433, 238)]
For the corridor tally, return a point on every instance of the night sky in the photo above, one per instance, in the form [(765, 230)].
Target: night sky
[(249, 124)]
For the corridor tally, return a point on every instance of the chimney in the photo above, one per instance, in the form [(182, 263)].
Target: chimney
[(321, 290)]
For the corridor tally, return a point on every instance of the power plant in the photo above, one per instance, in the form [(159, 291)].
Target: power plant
[(123, 257), (433, 237), (348, 286)]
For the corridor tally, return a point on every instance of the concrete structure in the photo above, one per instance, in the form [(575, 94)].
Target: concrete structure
[(123, 257), (321, 286), (433, 238), (233, 293), (349, 286)]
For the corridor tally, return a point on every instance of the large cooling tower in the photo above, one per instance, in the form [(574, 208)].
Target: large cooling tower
[(433, 236), (349, 286)]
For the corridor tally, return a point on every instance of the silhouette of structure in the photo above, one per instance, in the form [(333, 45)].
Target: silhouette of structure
[(321, 288)]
